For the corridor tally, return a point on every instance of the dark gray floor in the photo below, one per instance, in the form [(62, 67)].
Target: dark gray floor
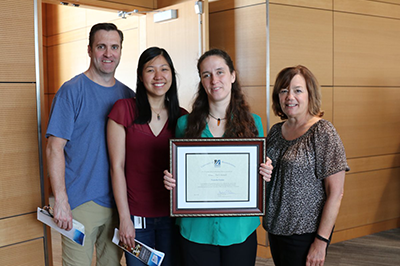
[(380, 249)]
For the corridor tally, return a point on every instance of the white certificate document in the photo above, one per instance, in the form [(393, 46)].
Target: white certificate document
[(215, 177)]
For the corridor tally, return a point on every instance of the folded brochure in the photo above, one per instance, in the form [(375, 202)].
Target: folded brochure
[(140, 251), (76, 234)]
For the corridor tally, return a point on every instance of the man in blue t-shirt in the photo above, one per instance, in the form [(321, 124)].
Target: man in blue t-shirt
[(77, 150)]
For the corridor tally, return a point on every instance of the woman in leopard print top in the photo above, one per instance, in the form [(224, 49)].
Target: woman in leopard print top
[(309, 161)]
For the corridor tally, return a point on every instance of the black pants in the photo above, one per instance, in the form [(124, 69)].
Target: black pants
[(290, 250), (243, 254)]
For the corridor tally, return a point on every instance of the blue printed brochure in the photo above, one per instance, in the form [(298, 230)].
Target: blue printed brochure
[(76, 234), (140, 251)]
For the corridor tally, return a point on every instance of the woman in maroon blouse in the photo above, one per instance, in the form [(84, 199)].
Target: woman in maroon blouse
[(138, 134)]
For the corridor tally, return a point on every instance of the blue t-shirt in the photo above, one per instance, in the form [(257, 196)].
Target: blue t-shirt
[(79, 115)]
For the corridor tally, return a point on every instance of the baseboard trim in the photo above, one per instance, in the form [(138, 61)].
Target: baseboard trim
[(347, 234)]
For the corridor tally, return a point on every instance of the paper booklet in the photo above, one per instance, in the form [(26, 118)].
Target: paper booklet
[(76, 234), (140, 251)]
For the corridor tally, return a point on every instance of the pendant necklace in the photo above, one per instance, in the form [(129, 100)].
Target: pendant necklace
[(158, 114), (217, 118)]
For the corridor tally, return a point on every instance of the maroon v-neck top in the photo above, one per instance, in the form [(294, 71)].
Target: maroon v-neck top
[(147, 156)]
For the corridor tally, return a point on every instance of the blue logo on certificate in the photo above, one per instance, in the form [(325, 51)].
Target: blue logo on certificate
[(217, 163)]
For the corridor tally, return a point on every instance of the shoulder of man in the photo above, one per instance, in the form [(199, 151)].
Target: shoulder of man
[(125, 88), (72, 85)]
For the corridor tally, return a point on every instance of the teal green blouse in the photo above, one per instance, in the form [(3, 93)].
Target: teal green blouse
[(221, 231)]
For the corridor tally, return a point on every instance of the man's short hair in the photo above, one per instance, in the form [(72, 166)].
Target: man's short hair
[(104, 26)]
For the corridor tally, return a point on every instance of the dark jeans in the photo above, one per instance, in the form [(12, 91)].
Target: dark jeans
[(160, 234), (243, 254)]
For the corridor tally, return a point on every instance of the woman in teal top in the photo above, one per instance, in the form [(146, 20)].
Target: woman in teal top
[(219, 110)]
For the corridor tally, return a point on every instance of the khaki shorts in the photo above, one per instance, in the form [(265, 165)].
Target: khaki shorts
[(99, 225)]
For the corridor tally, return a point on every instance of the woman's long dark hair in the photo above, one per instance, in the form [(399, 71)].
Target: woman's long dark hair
[(240, 123), (143, 110)]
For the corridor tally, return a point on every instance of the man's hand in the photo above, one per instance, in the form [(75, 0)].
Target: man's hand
[(62, 214)]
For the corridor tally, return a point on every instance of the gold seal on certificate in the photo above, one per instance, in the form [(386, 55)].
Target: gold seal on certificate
[(217, 177)]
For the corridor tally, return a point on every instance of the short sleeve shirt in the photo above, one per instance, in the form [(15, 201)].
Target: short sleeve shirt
[(79, 115), (147, 156), (296, 195)]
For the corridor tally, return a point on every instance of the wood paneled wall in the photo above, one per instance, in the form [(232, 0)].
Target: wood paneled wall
[(21, 235), (183, 47), (352, 46)]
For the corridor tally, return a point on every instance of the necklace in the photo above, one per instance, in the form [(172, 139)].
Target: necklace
[(158, 114), (217, 118)]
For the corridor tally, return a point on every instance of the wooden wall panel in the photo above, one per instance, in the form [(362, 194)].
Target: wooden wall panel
[(388, 1), (241, 32), (24, 254), (324, 4), (218, 5), (256, 97), (370, 197), (94, 16), (166, 3), (65, 37), (126, 71), (43, 96), (373, 8), (327, 103), (65, 61), (19, 229), (66, 44), (17, 41), (19, 168), (273, 119), (301, 36), (365, 164), (263, 249), (20, 192), (58, 14), (131, 50), (49, 100), (366, 51), (368, 120), (185, 59), (143, 3), (364, 230), (262, 235)]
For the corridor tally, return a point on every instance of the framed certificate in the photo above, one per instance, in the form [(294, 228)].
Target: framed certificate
[(217, 177)]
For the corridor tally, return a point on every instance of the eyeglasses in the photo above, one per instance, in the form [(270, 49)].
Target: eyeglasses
[(47, 210)]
